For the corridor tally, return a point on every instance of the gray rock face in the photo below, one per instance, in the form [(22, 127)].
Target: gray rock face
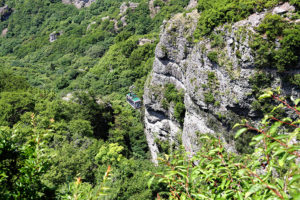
[(79, 3), (192, 4), (153, 8), (187, 65), (125, 6), (144, 41), (286, 7), (5, 12), (54, 35)]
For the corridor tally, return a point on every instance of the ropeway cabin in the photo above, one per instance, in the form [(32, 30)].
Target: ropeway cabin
[(133, 100)]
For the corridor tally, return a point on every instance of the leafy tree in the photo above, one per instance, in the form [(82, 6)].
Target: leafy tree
[(22, 165), (13, 105), (109, 153)]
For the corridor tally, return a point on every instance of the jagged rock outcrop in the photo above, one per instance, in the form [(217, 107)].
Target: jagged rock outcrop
[(54, 35), (154, 9), (124, 7), (192, 4), (122, 15), (286, 7), (144, 41), (5, 12), (90, 25), (79, 3), (216, 92)]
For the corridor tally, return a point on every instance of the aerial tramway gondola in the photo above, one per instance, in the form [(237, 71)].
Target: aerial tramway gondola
[(133, 99)]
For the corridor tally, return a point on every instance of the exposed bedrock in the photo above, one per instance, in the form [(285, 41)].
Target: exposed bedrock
[(185, 64)]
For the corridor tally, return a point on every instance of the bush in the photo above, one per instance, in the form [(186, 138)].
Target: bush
[(177, 97), (272, 26), (179, 112), (171, 93), (265, 51), (209, 97), (213, 56), (222, 175), (218, 12), (295, 80), (259, 81), (158, 3)]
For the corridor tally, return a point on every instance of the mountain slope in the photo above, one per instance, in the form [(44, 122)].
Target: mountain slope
[(218, 77)]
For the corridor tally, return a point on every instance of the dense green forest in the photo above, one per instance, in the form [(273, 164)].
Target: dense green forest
[(67, 132), (47, 141)]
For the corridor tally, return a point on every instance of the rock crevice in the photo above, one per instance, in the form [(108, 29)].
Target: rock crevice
[(217, 93)]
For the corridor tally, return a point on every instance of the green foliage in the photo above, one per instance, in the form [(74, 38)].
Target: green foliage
[(272, 26), (259, 81), (158, 3), (209, 97), (81, 190), (128, 47), (210, 90), (171, 94), (127, 130), (9, 82), (213, 56), (13, 105), (213, 173), (218, 12), (51, 141), (295, 80), (179, 112), (22, 166), (130, 181), (109, 153), (266, 53), (217, 103)]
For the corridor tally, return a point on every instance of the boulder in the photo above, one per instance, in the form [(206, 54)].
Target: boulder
[(54, 35), (79, 3), (5, 12), (284, 8)]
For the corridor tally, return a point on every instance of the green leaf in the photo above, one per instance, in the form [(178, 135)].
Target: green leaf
[(294, 178), (241, 172), (296, 196), (296, 102), (266, 95), (236, 125), (274, 127), (239, 132), (279, 151), (281, 162), (255, 188), (279, 137), (200, 196), (259, 137), (150, 181)]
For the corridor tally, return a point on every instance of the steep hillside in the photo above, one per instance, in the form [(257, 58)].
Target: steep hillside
[(206, 86), (67, 131), (64, 76)]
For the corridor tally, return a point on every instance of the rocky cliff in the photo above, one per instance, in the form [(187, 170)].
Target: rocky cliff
[(79, 3), (213, 75)]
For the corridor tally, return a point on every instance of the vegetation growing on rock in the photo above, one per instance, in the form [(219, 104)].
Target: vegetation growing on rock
[(66, 131)]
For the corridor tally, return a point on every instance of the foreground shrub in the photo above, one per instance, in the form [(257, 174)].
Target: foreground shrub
[(271, 172)]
